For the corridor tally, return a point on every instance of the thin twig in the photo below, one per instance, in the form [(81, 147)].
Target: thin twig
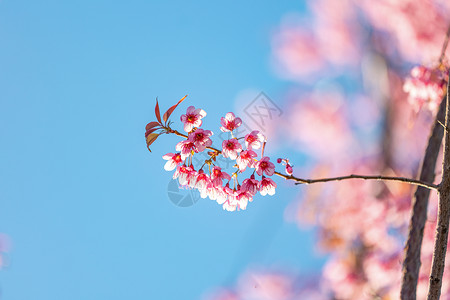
[(340, 178), (411, 264), (365, 177), (442, 124), (440, 245)]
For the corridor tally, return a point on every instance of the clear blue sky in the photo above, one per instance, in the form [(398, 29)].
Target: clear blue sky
[(84, 202)]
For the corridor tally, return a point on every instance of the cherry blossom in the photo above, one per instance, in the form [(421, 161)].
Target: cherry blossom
[(217, 176), (246, 159), (211, 184), (217, 193), (231, 203), (242, 199), (203, 182), (186, 175), (201, 139), (192, 118), (250, 185), (267, 186), (210, 180), (186, 147), (425, 87), (254, 140), (231, 148), (230, 122), (265, 166), (173, 160), (288, 169)]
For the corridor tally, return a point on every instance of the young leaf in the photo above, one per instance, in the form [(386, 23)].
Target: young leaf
[(150, 139), (150, 131), (157, 113), (170, 110), (151, 125)]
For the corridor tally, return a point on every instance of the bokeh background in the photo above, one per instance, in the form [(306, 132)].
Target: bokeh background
[(83, 205)]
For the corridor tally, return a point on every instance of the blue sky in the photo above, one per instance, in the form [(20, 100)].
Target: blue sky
[(83, 201)]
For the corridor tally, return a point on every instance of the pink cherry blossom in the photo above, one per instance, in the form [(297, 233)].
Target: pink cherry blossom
[(246, 159), (254, 139), (231, 202), (186, 175), (186, 147), (230, 122), (229, 205), (230, 192), (218, 194), (425, 87), (201, 139), (289, 170), (265, 166), (203, 184), (173, 160), (237, 199), (213, 192), (217, 176), (267, 186), (230, 148), (192, 118), (250, 185), (243, 198), (203, 181)]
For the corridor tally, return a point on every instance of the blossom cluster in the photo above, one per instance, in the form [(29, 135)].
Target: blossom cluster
[(426, 87), (229, 190)]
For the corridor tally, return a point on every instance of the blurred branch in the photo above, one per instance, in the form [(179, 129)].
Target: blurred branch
[(444, 46), (440, 246), (411, 264)]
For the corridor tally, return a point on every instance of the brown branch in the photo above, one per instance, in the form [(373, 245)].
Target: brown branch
[(411, 264), (365, 177), (441, 239), (340, 178)]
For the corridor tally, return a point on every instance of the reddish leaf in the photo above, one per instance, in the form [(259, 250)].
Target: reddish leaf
[(157, 113), (151, 125), (170, 110), (150, 131), (150, 139)]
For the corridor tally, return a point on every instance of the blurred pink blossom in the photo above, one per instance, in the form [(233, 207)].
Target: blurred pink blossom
[(425, 87)]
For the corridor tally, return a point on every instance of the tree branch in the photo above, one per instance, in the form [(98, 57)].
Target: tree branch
[(340, 178), (365, 177), (440, 245), (411, 264)]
